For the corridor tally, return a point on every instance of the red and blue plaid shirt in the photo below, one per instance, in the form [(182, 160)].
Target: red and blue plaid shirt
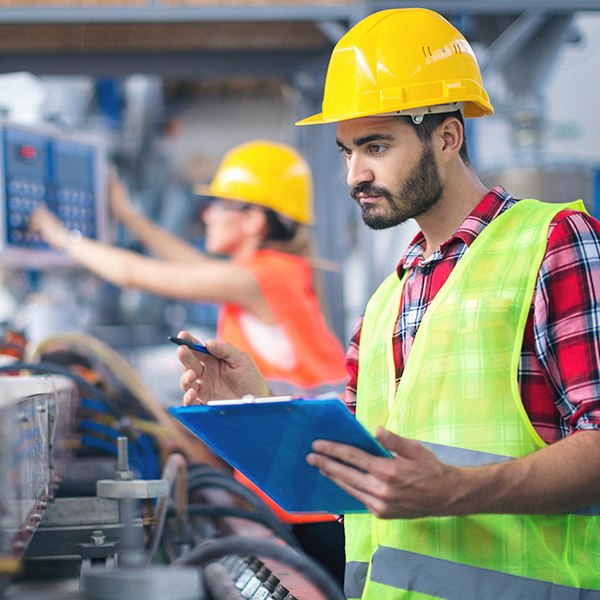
[(559, 378)]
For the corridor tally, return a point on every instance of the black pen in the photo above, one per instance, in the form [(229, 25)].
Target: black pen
[(191, 345)]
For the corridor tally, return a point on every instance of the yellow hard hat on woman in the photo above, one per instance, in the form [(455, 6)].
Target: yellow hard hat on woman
[(267, 174), (402, 61)]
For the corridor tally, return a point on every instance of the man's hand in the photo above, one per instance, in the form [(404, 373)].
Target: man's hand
[(225, 374), (559, 478), (414, 483)]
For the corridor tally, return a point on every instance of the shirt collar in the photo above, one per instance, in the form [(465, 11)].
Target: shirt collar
[(494, 203)]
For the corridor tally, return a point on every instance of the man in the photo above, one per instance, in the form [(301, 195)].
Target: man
[(476, 363)]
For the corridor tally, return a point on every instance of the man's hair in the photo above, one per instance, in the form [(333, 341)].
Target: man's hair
[(431, 122)]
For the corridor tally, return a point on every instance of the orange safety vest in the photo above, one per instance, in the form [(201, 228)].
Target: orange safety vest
[(286, 283)]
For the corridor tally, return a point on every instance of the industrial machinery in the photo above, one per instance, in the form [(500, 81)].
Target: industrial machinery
[(104, 496), (66, 172)]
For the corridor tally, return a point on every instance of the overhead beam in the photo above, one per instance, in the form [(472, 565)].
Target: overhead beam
[(490, 7), (175, 14), (345, 12), (167, 64)]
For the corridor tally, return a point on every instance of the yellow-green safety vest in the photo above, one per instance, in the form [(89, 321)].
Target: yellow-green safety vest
[(459, 396)]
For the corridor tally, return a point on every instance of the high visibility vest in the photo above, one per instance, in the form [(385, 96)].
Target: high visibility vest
[(459, 396), (286, 283)]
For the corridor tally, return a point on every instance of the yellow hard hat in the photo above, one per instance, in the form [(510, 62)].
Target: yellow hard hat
[(402, 61), (268, 174)]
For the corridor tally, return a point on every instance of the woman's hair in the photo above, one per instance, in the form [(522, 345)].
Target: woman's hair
[(285, 235), (279, 228)]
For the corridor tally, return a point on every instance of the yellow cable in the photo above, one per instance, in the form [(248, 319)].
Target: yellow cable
[(178, 435)]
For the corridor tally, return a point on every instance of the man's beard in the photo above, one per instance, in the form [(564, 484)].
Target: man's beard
[(420, 192)]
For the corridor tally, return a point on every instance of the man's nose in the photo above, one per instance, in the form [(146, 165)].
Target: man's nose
[(358, 171)]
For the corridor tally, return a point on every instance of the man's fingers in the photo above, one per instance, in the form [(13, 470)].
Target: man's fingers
[(190, 360), (396, 444), (222, 351), (188, 379), (406, 448), (190, 398), (354, 481), (351, 455)]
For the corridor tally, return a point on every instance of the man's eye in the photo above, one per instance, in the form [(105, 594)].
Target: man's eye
[(376, 148)]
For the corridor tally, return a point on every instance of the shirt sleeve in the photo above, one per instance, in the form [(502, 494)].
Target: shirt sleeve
[(567, 318), (352, 367)]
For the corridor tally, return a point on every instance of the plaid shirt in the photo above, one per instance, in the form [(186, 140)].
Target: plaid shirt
[(559, 378)]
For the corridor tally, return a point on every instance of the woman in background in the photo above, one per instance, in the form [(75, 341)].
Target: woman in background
[(258, 217)]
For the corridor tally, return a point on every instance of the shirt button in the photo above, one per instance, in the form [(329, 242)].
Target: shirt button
[(427, 269)]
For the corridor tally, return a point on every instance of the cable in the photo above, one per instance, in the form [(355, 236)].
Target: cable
[(227, 482), (212, 550), (215, 510), (138, 442), (175, 432), (51, 368)]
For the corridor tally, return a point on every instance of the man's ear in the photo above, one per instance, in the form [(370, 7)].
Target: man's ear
[(450, 136)]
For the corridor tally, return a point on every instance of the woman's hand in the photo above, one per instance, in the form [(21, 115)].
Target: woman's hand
[(224, 374), (120, 205), (49, 227)]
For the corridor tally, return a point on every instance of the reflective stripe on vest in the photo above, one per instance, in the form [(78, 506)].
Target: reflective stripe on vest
[(355, 577), (459, 391), (453, 581)]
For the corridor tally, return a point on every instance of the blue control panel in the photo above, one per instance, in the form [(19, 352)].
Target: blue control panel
[(65, 173)]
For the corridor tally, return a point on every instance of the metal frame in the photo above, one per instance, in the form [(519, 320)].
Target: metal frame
[(184, 64), (153, 11), (156, 13)]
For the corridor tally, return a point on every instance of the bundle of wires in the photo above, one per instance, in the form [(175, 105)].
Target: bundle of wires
[(100, 430), (100, 418)]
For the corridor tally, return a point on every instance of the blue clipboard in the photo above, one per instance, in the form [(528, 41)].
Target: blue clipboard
[(268, 442)]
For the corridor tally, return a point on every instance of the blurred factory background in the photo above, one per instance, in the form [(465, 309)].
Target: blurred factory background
[(168, 87), (162, 89)]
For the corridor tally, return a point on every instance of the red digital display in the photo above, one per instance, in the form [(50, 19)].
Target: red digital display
[(28, 152)]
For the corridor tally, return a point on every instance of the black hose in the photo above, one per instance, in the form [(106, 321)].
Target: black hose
[(314, 573), (198, 468), (213, 510), (227, 482)]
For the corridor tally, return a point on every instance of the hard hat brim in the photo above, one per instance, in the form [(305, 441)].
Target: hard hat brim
[(314, 120), (318, 119), (471, 109)]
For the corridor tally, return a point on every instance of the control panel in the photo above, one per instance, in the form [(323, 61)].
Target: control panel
[(65, 172)]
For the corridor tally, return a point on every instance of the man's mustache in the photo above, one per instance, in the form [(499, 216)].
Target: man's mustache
[(368, 189)]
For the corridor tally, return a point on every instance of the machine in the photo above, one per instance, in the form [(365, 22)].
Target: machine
[(67, 172), (104, 496)]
